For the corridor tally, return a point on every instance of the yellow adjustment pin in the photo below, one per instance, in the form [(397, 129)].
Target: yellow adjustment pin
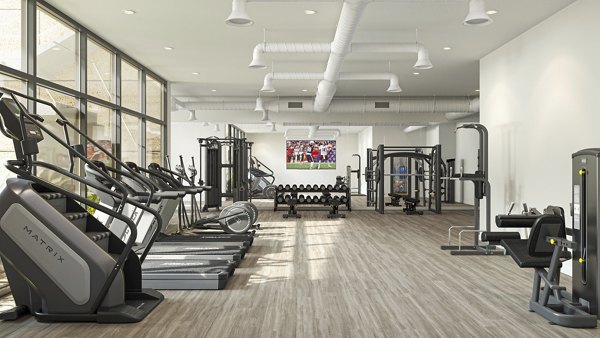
[(581, 260), (552, 241), (581, 171)]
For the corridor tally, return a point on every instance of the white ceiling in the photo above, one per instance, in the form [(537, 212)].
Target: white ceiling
[(203, 43)]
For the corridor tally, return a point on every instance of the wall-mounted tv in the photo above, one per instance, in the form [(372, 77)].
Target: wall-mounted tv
[(310, 154)]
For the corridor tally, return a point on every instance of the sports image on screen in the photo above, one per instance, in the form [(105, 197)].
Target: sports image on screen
[(310, 154)]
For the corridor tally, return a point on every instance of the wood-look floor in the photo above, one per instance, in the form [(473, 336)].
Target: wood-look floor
[(368, 275)]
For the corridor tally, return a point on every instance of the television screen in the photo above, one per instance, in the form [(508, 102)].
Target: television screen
[(310, 154)]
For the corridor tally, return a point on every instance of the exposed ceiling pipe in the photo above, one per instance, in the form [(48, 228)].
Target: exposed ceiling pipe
[(352, 11), (453, 116), (477, 15), (410, 129), (239, 17), (395, 105), (312, 130), (260, 49), (269, 88)]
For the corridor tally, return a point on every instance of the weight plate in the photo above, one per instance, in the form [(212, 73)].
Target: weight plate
[(235, 219), (269, 191), (251, 208)]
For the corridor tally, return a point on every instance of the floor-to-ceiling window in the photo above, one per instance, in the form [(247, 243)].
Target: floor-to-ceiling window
[(111, 97)]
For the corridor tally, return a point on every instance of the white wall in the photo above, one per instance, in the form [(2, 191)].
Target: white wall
[(432, 135), (269, 148), (447, 139), (539, 101), (365, 140)]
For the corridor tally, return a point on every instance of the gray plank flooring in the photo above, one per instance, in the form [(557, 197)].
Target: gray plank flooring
[(368, 275)]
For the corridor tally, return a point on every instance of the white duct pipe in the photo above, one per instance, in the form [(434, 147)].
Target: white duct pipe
[(397, 105), (393, 78), (422, 52), (239, 17), (352, 11), (285, 47)]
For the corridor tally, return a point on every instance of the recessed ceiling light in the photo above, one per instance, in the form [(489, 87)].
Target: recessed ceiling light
[(305, 90), (447, 48), (55, 48), (416, 73), (213, 90), (168, 48), (195, 73), (128, 12), (491, 12), (477, 90), (310, 12)]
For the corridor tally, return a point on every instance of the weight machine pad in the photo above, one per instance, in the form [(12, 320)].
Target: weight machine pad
[(518, 249), (494, 237)]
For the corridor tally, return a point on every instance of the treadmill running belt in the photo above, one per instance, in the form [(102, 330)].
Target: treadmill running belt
[(150, 266)]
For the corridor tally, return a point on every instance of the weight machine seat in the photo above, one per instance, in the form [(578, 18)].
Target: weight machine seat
[(411, 200), (536, 252), (518, 249), (495, 237)]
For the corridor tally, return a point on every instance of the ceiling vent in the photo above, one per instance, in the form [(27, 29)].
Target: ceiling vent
[(295, 105), (382, 105)]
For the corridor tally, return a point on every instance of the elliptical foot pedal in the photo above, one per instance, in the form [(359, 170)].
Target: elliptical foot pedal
[(14, 313)]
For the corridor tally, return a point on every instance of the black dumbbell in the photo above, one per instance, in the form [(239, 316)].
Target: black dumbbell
[(336, 187), (287, 187), (315, 187), (280, 199), (294, 187), (301, 199), (301, 187), (322, 187), (344, 199), (323, 199), (344, 187), (329, 187), (287, 198), (280, 187)]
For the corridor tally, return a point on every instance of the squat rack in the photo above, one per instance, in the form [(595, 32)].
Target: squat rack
[(375, 173)]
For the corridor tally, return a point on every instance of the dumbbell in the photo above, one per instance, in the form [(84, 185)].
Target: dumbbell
[(301, 187), (323, 199), (294, 187), (315, 187), (336, 187), (287, 198), (301, 199), (280, 187), (344, 187), (322, 187), (344, 199), (287, 187), (280, 199), (329, 187)]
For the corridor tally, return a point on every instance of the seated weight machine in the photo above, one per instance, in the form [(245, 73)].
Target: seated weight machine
[(547, 248)]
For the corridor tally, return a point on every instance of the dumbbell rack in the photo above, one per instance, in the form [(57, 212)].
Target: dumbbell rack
[(294, 191)]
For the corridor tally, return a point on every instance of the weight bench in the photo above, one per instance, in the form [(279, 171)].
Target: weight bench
[(544, 251), (396, 198), (410, 206)]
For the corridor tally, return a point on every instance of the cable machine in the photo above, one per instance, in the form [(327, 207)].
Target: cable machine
[(425, 170)]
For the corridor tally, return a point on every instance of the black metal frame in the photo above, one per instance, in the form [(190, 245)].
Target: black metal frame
[(375, 173)]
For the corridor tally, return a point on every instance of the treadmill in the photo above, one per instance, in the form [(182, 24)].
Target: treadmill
[(175, 272)]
